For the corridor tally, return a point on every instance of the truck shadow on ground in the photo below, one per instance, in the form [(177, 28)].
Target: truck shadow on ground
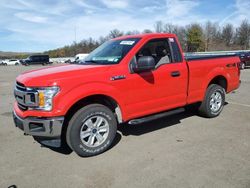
[(139, 129), (161, 123), (66, 150), (126, 130), (151, 126)]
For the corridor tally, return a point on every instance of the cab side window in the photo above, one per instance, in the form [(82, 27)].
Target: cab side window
[(157, 48), (177, 57)]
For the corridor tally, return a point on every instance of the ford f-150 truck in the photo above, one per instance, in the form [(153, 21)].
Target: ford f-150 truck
[(130, 79)]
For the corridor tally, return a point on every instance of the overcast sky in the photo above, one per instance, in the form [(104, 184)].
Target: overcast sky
[(39, 25)]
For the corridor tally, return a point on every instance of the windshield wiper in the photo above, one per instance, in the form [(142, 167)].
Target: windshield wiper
[(90, 61), (86, 62)]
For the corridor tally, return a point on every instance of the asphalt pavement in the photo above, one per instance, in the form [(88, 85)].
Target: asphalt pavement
[(182, 151)]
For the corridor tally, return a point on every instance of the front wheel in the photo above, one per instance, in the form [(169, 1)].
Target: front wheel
[(91, 130), (213, 102)]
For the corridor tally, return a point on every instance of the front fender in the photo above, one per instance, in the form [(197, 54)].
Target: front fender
[(67, 99)]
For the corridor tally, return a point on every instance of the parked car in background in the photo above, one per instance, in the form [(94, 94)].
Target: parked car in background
[(245, 59), (36, 59), (1, 62), (65, 61), (11, 62), (79, 58)]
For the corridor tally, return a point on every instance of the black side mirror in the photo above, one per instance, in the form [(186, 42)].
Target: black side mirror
[(144, 63)]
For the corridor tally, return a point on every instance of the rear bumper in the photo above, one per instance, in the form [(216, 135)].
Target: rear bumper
[(42, 127)]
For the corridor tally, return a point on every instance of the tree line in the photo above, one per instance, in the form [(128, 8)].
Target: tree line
[(193, 37), (14, 55)]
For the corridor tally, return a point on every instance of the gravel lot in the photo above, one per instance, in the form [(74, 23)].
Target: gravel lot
[(178, 151)]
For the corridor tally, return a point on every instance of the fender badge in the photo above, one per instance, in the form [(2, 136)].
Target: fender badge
[(118, 77)]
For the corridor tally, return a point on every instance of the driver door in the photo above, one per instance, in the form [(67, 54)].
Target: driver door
[(160, 89)]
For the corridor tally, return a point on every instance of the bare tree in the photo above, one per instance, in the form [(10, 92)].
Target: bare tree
[(243, 35), (115, 33), (135, 32), (227, 34), (179, 31), (211, 34), (147, 31), (168, 28), (103, 39), (192, 38), (159, 27)]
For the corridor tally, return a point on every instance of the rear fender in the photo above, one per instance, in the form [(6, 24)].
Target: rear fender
[(218, 71)]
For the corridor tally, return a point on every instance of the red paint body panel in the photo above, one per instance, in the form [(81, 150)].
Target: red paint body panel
[(137, 95), (201, 72)]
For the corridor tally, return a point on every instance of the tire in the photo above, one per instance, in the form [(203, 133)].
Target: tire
[(242, 66), (95, 139), (16, 64), (213, 102)]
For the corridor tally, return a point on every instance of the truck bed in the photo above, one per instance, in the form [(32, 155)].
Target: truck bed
[(204, 68)]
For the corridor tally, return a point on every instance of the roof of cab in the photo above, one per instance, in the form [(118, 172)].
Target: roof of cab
[(146, 35)]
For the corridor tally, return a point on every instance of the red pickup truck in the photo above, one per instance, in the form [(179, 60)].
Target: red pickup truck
[(130, 79)]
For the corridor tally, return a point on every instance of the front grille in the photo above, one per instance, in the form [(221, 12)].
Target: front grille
[(25, 97), (20, 86), (22, 107)]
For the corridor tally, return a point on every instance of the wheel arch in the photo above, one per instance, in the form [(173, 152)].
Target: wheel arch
[(105, 100), (219, 80)]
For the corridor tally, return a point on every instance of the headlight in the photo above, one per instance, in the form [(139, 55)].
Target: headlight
[(45, 97)]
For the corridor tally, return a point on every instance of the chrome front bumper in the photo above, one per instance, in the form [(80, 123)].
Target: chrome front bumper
[(41, 127)]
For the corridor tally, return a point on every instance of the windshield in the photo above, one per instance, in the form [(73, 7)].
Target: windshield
[(111, 52)]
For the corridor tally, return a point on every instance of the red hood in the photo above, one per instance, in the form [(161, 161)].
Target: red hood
[(52, 75)]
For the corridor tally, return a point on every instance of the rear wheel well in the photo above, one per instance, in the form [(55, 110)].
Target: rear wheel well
[(94, 99), (219, 80)]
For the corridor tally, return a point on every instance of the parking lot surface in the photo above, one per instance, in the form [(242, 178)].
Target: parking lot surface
[(183, 150)]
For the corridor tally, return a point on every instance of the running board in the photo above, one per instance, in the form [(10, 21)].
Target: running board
[(155, 116)]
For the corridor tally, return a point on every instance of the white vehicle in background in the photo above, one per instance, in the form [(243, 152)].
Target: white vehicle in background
[(11, 62), (67, 60), (80, 57)]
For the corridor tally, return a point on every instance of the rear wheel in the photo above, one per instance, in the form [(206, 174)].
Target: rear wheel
[(91, 130), (213, 102), (242, 66)]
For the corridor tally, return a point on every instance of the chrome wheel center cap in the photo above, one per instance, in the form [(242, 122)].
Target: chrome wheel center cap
[(94, 131)]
